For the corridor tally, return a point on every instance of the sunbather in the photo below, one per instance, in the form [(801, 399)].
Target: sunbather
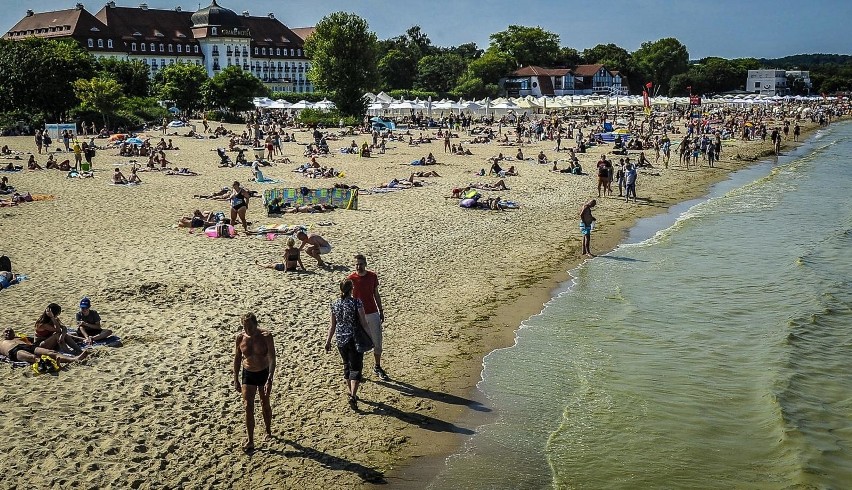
[(32, 164), (500, 185), (292, 259), (118, 177), (199, 219), (19, 350)]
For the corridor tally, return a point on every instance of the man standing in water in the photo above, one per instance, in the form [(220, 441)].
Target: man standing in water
[(366, 288), (586, 220), (255, 354)]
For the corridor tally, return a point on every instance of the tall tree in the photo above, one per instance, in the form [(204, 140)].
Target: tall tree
[(132, 75), (37, 75), (101, 94), (181, 83), (491, 66), (234, 89), (569, 57), (660, 60), (527, 45), (397, 70), (614, 57), (343, 60), (439, 72)]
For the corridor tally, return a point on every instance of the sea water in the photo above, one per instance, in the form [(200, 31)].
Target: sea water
[(712, 350)]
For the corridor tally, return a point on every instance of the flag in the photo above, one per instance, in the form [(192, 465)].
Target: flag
[(649, 85)]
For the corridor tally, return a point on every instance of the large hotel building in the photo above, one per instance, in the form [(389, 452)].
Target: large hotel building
[(214, 37)]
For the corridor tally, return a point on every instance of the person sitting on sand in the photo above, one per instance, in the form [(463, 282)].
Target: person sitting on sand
[(520, 155), (8, 278), (292, 258), (316, 244), (50, 333), (19, 350), (511, 172), (134, 177), (496, 169), (118, 177), (5, 188), (89, 323), (198, 219), (542, 158), (5, 150), (257, 175), (430, 159), (32, 164)]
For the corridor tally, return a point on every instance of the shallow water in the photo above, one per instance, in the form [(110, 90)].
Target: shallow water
[(712, 350)]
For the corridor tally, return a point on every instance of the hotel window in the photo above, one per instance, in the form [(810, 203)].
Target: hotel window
[(163, 62), (153, 47), (291, 52), (299, 52), (100, 43), (215, 50), (277, 51), (213, 31), (109, 43), (143, 46), (196, 48), (170, 48), (256, 51), (162, 48), (264, 51), (179, 48), (133, 46), (91, 43)]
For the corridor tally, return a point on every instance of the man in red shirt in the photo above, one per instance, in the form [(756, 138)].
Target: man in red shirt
[(367, 290)]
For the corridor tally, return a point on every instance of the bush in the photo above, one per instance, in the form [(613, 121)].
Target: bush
[(225, 116), (133, 113), (413, 94), (330, 119), (294, 97)]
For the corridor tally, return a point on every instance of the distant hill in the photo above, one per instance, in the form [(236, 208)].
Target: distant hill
[(805, 61)]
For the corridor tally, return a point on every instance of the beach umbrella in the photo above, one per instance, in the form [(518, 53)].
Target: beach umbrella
[(302, 104), (134, 141), (279, 104), (324, 104)]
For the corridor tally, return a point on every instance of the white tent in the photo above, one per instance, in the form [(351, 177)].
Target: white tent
[(279, 104), (260, 102), (384, 98), (324, 105)]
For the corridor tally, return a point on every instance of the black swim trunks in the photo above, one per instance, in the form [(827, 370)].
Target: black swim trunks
[(255, 378), (13, 352)]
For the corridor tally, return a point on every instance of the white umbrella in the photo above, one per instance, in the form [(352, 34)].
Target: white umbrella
[(279, 104), (302, 104), (325, 105)]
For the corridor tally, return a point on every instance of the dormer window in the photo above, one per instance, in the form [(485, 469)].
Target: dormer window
[(109, 43), (91, 43), (195, 49), (143, 46), (299, 52), (95, 29), (170, 48), (264, 51), (181, 35), (213, 31), (132, 46), (153, 47), (162, 47), (178, 47), (291, 52), (137, 33)]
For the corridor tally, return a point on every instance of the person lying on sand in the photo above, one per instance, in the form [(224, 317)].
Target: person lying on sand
[(500, 185), (19, 350), (181, 171), (199, 219), (12, 168), (430, 173)]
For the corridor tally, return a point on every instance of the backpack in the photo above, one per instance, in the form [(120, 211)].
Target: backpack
[(5, 264)]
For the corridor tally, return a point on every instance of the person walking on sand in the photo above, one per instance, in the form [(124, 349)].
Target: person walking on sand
[(366, 289), (345, 315), (586, 220), (254, 368)]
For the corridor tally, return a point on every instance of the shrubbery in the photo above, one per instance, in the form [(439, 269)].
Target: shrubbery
[(313, 117)]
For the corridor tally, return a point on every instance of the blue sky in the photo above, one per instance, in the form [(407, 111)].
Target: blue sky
[(726, 28)]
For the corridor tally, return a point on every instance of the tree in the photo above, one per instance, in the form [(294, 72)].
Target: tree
[(468, 51), (343, 60), (660, 60), (491, 66), (439, 72), (527, 45), (614, 57), (132, 75), (37, 75), (569, 57), (397, 70), (100, 94), (183, 84), (234, 89)]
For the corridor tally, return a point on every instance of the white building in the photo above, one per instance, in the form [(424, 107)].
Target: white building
[(214, 37), (767, 82)]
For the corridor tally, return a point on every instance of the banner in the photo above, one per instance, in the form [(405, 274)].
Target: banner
[(694, 100)]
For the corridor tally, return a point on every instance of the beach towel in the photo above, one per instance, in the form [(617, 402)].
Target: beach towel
[(267, 180), (111, 341)]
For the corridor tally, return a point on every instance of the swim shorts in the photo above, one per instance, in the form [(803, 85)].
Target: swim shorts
[(585, 229), (255, 378), (325, 250)]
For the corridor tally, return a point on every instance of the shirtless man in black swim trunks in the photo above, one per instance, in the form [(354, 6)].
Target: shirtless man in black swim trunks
[(19, 351), (254, 355)]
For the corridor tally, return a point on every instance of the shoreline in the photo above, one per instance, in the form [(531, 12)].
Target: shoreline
[(530, 301), (455, 283)]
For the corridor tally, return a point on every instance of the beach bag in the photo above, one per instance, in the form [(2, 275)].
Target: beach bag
[(5, 264), (363, 342)]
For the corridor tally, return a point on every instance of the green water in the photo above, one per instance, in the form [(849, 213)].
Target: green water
[(715, 353)]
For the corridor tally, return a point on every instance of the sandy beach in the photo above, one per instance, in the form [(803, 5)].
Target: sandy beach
[(161, 412)]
